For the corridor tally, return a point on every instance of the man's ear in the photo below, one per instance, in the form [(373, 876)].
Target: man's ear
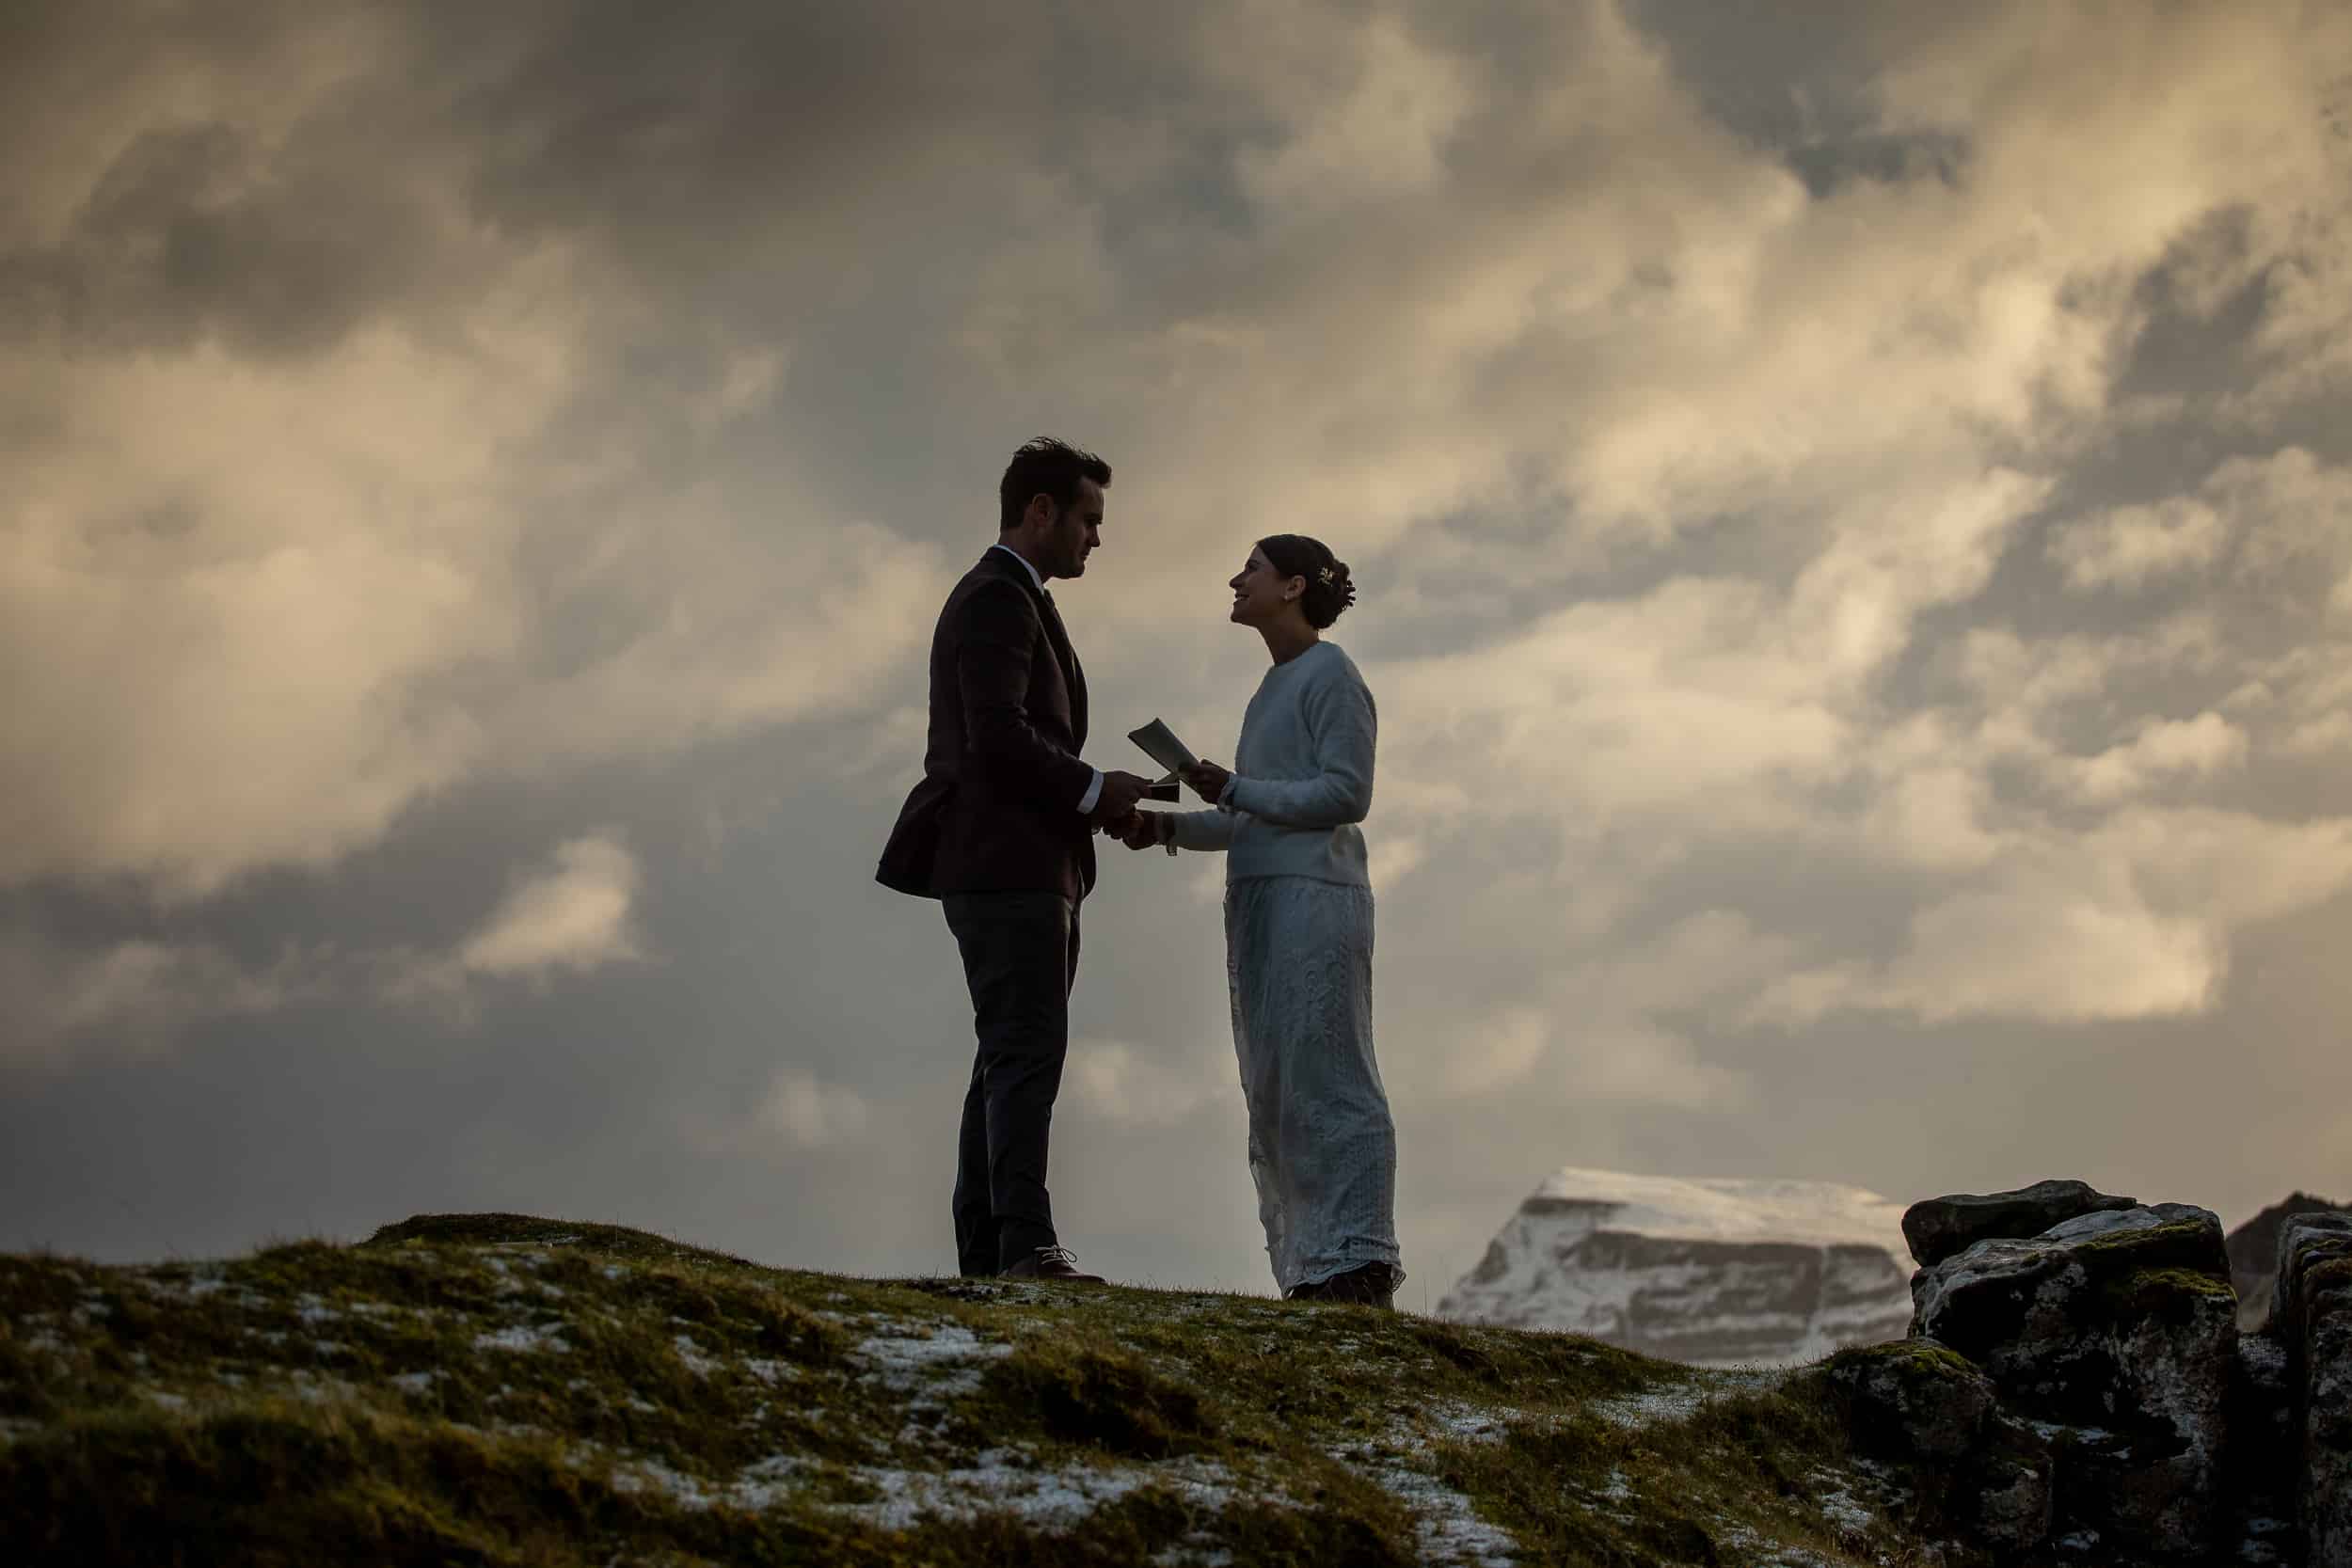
[(1039, 511)]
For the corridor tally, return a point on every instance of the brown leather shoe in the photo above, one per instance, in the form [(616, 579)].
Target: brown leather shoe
[(1368, 1285), (1050, 1262)]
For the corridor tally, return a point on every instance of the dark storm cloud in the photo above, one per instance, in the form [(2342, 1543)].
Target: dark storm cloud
[(193, 232)]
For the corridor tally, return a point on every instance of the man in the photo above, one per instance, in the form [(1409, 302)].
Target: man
[(1001, 830)]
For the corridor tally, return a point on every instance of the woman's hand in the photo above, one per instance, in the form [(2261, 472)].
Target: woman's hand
[(1207, 780), (1142, 830)]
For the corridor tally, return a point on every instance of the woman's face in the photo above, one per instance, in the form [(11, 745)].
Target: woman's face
[(1259, 591)]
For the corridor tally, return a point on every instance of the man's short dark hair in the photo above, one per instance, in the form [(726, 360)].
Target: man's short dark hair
[(1045, 467)]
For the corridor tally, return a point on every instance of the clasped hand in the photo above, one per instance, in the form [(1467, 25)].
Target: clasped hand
[(1140, 829)]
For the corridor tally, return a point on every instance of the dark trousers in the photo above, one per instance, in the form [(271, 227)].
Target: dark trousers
[(1020, 957)]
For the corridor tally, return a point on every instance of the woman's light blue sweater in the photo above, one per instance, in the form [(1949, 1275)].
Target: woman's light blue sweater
[(1302, 776)]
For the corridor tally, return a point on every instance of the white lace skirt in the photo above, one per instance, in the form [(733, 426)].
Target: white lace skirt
[(1322, 1144)]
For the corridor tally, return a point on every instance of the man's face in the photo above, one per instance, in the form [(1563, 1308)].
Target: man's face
[(1075, 533)]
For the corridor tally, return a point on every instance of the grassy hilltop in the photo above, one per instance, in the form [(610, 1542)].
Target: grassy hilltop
[(497, 1389)]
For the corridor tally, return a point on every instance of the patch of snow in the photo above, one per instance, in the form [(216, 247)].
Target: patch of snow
[(691, 1354), (1003, 1481), (641, 1475), (311, 1388), (1193, 1551), (1839, 1506), (1447, 1526), (314, 1309), (2052, 1430), (413, 1382), (201, 1287), (1466, 1424), (167, 1399), (935, 1366), (520, 1338), (999, 1480), (770, 1372), (1768, 1554), (1682, 1400)]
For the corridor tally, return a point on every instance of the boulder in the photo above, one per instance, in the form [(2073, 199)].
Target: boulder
[(2116, 1333), (1923, 1405), (2313, 1320), (1937, 1228), (1911, 1399)]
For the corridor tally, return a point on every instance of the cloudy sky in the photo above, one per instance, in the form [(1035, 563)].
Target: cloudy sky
[(1852, 503)]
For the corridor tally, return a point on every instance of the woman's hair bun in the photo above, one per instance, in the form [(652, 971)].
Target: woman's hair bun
[(1331, 589)]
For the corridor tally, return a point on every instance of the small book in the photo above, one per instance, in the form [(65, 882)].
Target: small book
[(1160, 744)]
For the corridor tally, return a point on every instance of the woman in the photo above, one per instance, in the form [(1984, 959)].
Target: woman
[(1298, 933)]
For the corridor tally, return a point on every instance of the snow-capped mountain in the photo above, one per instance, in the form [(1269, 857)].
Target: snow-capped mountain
[(1712, 1271)]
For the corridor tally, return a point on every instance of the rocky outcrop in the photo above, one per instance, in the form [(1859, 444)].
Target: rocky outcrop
[(2116, 1332), (2082, 1393), (1937, 1228), (1715, 1273), (2312, 1319)]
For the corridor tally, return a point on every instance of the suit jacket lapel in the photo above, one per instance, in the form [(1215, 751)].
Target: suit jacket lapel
[(1078, 676), (1057, 634)]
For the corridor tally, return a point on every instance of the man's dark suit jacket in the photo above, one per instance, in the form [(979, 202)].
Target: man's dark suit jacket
[(998, 810)]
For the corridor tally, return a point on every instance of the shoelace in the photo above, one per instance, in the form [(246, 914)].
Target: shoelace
[(1061, 1255)]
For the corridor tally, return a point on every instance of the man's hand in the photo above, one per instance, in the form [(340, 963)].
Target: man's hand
[(1120, 791), (1142, 830), (1207, 780)]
